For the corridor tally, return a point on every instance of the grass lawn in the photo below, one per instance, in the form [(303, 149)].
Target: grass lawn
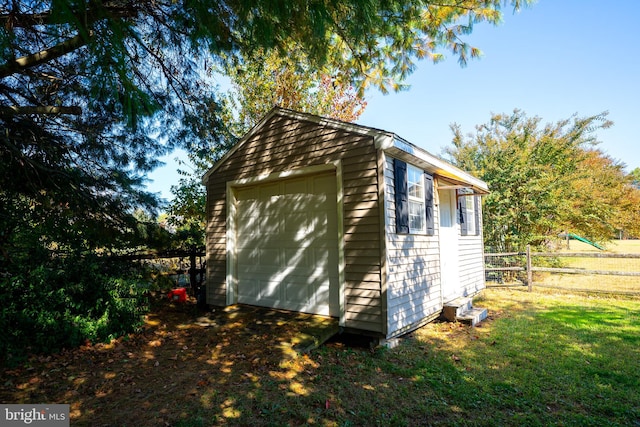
[(540, 359)]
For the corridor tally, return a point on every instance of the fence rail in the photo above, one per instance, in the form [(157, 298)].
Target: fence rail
[(584, 271), (583, 255), (188, 268)]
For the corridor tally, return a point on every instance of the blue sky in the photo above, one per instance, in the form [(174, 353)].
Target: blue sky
[(553, 59)]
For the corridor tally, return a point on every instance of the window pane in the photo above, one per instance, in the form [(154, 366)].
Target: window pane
[(471, 215), (415, 183), (416, 216)]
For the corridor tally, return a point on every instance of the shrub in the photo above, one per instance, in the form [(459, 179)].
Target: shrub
[(65, 301)]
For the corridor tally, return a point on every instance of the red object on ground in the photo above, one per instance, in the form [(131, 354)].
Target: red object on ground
[(178, 295)]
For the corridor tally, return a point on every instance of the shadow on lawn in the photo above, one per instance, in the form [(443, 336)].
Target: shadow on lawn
[(233, 365), (532, 365)]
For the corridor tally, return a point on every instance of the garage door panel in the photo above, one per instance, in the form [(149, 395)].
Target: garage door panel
[(286, 242), (295, 294), (298, 259), (250, 290), (313, 298), (246, 194), (287, 295), (259, 272), (270, 292), (260, 226), (319, 221), (295, 223), (269, 190), (248, 256), (325, 183), (270, 257), (247, 228), (298, 186)]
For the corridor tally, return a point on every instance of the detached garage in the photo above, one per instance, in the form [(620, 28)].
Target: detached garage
[(320, 216)]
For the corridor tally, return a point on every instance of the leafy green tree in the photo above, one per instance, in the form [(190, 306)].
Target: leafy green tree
[(186, 212), (267, 78), (604, 199), (264, 77), (258, 83), (91, 92), (539, 177), (630, 220)]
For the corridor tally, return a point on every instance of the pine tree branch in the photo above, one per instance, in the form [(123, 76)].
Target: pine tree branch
[(25, 20), (46, 55), (15, 110)]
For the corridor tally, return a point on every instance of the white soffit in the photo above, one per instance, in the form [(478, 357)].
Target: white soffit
[(398, 147)]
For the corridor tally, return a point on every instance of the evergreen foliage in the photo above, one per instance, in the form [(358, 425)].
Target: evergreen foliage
[(64, 301)]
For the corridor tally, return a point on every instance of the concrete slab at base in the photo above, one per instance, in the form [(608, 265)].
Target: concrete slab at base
[(293, 333), (473, 317), (454, 308), (389, 342)]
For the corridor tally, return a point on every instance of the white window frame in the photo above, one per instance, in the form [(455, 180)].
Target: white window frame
[(416, 201), (471, 227), (470, 207)]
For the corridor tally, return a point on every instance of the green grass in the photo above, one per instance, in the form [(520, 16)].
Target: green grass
[(539, 360), (614, 264)]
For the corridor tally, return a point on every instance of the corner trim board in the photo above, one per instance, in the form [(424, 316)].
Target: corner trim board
[(232, 266)]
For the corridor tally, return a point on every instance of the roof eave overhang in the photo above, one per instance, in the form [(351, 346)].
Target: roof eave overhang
[(386, 141), (398, 147)]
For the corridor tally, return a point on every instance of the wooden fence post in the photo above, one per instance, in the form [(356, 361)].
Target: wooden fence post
[(529, 271), (192, 268)]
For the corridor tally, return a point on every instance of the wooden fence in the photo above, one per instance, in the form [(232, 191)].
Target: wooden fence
[(179, 263), (617, 273)]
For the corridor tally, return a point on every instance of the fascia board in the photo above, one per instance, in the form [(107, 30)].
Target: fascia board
[(383, 140), (411, 153)]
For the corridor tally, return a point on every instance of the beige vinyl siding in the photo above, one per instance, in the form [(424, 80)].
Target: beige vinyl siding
[(286, 144), (471, 261), (413, 275), (216, 243)]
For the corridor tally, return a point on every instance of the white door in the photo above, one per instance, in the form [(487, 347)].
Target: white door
[(287, 245), (449, 275)]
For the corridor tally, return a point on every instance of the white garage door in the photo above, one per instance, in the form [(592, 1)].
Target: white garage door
[(287, 245)]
